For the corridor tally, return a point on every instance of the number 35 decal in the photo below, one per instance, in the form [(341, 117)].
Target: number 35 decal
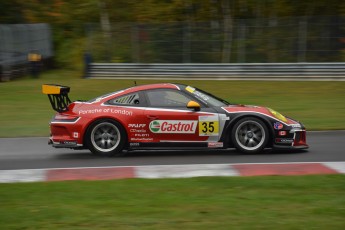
[(208, 125)]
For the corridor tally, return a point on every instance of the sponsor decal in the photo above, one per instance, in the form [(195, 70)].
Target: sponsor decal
[(68, 142), (282, 133), (190, 89), (114, 111), (142, 139), (278, 125), (215, 144), (118, 111), (90, 111), (173, 126), (136, 125), (135, 144), (155, 126), (137, 130), (284, 140), (201, 96), (296, 126), (141, 134), (198, 94), (75, 134)]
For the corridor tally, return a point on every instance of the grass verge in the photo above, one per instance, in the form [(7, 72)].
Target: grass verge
[(275, 202), (26, 112)]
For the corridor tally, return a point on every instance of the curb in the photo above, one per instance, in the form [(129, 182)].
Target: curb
[(171, 171)]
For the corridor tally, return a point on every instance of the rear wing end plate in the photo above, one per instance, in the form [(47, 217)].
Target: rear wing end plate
[(58, 96)]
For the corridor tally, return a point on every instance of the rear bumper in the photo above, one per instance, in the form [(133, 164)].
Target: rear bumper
[(66, 133), (65, 144)]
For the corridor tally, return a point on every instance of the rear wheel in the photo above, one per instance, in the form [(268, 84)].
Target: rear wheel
[(250, 135), (106, 137)]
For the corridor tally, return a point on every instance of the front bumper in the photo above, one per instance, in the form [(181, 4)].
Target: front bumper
[(296, 138), (279, 147)]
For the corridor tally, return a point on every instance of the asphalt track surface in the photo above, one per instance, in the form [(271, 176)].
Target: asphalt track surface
[(34, 153)]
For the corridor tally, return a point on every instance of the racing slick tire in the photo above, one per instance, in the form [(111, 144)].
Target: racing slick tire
[(250, 135), (106, 137)]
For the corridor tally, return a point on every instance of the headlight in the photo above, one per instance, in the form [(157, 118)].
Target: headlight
[(277, 115)]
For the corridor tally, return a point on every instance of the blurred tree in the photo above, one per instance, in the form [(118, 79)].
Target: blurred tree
[(71, 18), (67, 19), (11, 12)]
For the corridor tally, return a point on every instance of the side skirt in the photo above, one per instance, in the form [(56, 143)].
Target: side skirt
[(175, 145)]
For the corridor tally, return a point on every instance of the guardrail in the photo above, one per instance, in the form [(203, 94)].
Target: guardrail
[(248, 71)]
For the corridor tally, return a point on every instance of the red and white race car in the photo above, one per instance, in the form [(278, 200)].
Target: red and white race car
[(166, 116)]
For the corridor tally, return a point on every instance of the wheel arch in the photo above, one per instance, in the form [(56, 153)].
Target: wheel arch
[(91, 122), (265, 120)]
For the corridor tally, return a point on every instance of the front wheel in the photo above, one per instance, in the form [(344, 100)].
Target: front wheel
[(250, 135), (106, 137)]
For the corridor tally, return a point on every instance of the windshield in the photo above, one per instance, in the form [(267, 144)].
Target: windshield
[(207, 98)]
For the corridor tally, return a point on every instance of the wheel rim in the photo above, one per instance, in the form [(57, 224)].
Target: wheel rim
[(105, 137), (250, 135)]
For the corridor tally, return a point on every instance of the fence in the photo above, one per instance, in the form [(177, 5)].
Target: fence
[(249, 71), (270, 40), (17, 40)]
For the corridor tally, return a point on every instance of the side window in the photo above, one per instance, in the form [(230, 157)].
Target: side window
[(167, 98), (130, 99)]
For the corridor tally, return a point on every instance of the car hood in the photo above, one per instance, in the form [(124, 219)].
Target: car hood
[(245, 108), (258, 110)]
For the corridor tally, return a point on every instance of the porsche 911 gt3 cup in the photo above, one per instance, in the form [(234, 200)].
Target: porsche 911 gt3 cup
[(166, 116)]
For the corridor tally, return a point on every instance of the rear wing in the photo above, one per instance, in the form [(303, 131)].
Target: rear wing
[(58, 96)]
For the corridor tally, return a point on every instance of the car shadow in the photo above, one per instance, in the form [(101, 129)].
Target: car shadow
[(84, 154), (87, 155), (289, 151), (143, 153), (76, 154)]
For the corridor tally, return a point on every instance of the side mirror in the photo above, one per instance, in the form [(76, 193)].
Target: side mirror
[(193, 105)]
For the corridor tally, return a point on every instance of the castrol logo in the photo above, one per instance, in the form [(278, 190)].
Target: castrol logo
[(173, 126)]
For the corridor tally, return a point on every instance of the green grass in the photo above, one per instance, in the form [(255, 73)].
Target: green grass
[(26, 112), (275, 202)]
